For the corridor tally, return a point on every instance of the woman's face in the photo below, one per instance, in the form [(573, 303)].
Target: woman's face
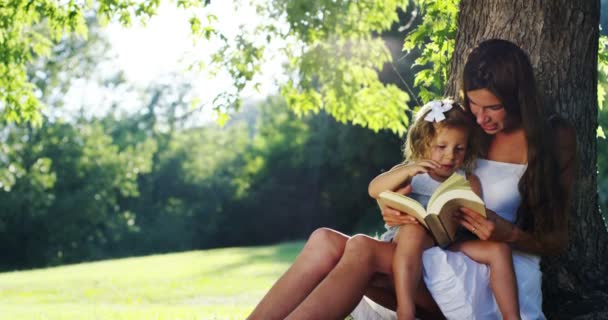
[(489, 112)]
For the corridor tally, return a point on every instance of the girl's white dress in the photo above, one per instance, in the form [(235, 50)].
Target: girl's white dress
[(459, 285)]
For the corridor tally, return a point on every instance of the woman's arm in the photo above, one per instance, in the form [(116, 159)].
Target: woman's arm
[(557, 241), (498, 229), (495, 228), (525, 241), (399, 176)]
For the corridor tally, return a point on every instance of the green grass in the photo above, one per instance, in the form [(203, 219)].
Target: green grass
[(210, 284)]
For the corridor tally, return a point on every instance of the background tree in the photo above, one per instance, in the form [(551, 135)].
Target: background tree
[(64, 203), (561, 38)]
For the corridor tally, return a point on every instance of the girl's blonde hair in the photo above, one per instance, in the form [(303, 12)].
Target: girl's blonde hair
[(421, 134)]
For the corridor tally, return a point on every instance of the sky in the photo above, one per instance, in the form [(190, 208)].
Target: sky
[(150, 53)]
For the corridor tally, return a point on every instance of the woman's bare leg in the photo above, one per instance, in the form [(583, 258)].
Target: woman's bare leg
[(320, 254), (345, 285), (499, 258), (318, 257), (411, 241), (343, 288)]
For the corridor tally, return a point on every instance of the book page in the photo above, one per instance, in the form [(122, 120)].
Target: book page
[(403, 204), (455, 181)]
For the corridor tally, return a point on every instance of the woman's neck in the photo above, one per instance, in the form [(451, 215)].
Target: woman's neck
[(509, 146)]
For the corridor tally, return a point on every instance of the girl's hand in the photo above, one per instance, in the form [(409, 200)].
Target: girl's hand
[(423, 166), (393, 217), (399, 175), (493, 228)]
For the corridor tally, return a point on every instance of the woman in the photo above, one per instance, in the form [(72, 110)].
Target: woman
[(526, 174)]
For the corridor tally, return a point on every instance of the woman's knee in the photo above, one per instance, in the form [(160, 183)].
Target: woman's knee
[(325, 246), (325, 237)]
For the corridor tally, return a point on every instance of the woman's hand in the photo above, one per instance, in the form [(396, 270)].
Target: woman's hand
[(393, 217), (494, 227)]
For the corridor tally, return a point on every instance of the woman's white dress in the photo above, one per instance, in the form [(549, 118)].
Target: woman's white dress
[(459, 285)]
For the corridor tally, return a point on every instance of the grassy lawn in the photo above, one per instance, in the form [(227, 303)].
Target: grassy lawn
[(210, 284)]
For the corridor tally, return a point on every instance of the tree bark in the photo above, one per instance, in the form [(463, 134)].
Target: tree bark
[(561, 37)]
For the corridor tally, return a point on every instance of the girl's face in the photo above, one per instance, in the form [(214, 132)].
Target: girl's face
[(488, 110), (448, 149)]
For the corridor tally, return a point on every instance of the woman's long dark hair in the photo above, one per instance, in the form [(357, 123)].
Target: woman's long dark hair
[(504, 69)]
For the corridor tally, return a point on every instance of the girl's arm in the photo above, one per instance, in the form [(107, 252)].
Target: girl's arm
[(399, 176)]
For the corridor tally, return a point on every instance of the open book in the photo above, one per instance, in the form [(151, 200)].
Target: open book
[(453, 193)]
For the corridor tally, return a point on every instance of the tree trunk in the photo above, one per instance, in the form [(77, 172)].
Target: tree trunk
[(561, 37)]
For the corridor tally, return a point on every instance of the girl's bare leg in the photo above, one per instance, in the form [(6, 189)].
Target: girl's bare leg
[(382, 291), (411, 241), (318, 257), (499, 258), (426, 307)]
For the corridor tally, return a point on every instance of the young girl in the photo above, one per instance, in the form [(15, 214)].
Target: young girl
[(440, 143)]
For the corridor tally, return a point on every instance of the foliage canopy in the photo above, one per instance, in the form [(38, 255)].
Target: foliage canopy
[(30, 29), (333, 51)]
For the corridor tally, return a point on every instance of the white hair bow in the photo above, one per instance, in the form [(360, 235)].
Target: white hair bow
[(438, 107)]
